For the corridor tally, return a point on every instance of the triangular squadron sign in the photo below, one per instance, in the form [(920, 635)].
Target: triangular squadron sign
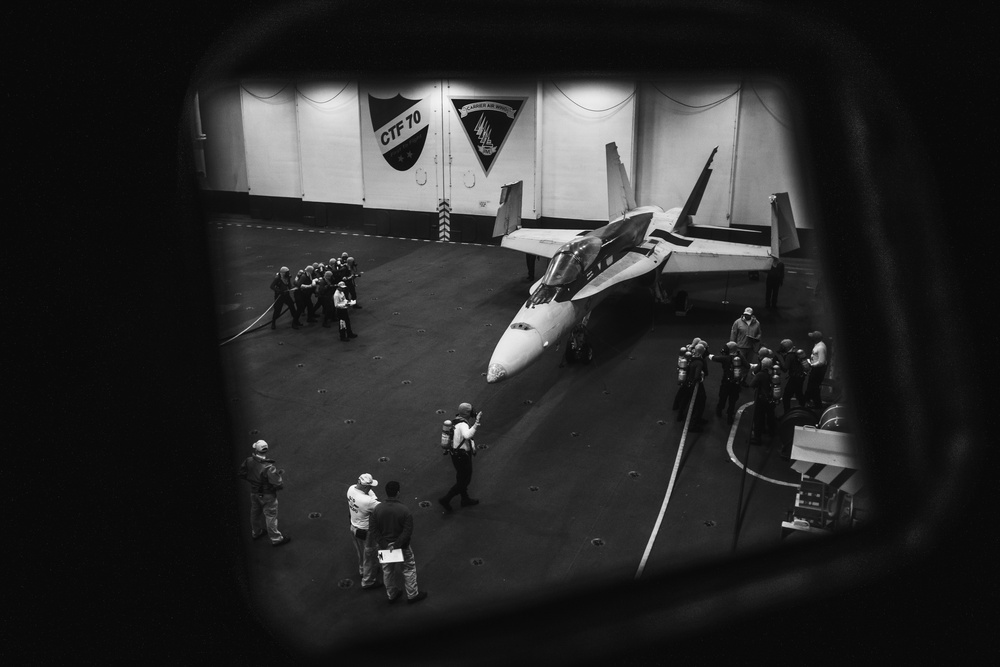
[(487, 124), (400, 127)]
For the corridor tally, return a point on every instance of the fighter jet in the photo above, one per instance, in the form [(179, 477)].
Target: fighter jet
[(639, 242)]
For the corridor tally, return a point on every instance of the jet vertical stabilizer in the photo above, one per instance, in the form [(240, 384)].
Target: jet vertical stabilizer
[(784, 237), (509, 213), (694, 200), (621, 198)]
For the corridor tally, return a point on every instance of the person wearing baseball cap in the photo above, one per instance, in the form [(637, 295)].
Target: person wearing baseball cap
[(341, 305), (282, 288), (746, 334), (265, 482), (361, 500), (729, 387)]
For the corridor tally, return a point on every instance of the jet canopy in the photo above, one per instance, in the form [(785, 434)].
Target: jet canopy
[(571, 260)]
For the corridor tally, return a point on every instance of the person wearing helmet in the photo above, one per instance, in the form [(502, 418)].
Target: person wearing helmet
[(763, 406), (796, 374), (265, 482), (693, 387), (324, 292), (463, 448), (734, 368), (341, 304), (350, 278), (306, 281), (746, 334), (282, 288)]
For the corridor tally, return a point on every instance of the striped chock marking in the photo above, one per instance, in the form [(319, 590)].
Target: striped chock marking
[(444, 220)]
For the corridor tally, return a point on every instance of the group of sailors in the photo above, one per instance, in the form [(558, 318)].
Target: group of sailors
[(776, 376), (333, 285)]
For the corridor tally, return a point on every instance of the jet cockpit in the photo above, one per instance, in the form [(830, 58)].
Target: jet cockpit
[(572, 259)]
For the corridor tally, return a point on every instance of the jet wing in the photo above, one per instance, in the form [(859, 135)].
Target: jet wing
[(642, 260), (542, 242)]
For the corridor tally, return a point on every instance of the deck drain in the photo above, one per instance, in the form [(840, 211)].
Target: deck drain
[(606, 392), (709, 523), (527, 401), (661, 422), (270, 266), (374, 298), (421, 330), (254, 432), (314, 515), (300, 365), (321, 391), (574, 434), (406, 382), (633, 473), (280, 342), (488, 324), (532, 488), (376, 358), (345, 583), (483, 374), (348, 421), (239, 294), (476, 561), (440, 412), (249, 308), (597, 542), (396, 313), (458, 308), (451, 351), (482, 446), (424, 503), (383, 459)]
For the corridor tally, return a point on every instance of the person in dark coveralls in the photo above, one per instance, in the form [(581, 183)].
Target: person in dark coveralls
[(282, 288), (463, 448), (324, 290), (729, 388), (792, 363), (350, 279), (341, 304), (746, 334), (763, 403), (391, 525), (530, 260), (265, 482), (775, 277), (305, 281), (693, 386)]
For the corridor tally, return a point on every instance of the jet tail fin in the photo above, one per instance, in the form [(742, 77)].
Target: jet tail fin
[(621, 198), (784, 237), (509, 213), (694, 199)]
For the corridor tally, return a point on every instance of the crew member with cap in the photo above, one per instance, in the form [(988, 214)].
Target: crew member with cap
[(729, 388), (305, 281), (763, 404), (265, 482), (391, 523), (774, 280), (341, 305), (350, 278), (324, 291), (746, 334), (693, 386), (463, 448), (361, 500), (282, 288), (817, 369)]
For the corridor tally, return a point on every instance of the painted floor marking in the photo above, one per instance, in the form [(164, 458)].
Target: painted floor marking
[(397, 238), (732, 452)]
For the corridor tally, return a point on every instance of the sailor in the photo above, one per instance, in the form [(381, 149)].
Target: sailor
[(462, 450), (341, 304), (282, 288), (265, 482), (350, 278), (729, 387), (693, 387), (746, 334), (324, 290), (817, 363), (305, 281)]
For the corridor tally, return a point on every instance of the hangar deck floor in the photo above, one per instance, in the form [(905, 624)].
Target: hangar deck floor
[(575, 461)]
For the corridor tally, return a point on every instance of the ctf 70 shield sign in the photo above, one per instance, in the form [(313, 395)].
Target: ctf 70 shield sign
[(400, 127), (487, 123)]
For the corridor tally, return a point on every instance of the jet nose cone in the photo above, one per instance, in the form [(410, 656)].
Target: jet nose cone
[(517, 348), (495, 373)]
